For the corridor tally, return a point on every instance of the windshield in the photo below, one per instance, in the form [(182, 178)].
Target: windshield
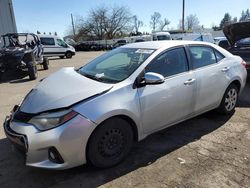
[(16, 40), (115, 65)]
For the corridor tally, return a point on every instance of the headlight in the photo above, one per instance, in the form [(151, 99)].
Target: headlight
[(52, 119)]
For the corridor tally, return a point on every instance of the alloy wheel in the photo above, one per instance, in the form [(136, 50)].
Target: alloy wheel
[(231, 99)]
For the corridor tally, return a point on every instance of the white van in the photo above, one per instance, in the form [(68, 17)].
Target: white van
[(55, 46)]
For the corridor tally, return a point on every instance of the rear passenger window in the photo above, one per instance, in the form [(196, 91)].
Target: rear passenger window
[(202, 56), (170, 63), (47, 41), (219, 56)]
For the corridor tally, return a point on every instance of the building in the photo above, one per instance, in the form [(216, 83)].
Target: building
[(7, 17)]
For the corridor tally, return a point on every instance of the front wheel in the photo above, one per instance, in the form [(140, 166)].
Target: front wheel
[(110, 143), (229, 100), (45, 63), (32, 70), (68, 55)]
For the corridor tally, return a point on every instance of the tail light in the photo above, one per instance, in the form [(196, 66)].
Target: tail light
[(244, 64)]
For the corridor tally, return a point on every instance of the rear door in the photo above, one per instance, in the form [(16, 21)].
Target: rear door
[(211, 77), (172, 100)]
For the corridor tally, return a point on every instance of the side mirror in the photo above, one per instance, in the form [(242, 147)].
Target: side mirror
[(151, 78)]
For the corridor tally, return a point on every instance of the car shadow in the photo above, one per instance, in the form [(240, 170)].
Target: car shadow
[(56, 58), (13, 173), (14, 76)]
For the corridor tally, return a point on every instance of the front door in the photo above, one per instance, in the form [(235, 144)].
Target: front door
[(173, 100)]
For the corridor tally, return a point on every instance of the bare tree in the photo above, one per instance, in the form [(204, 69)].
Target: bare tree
[(155, 20), (117, 21), (104, 23), (137, 24), (163, 24), (192, 22), (179, 26)]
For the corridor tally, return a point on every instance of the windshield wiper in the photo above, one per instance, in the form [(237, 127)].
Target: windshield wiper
[(100, 79)]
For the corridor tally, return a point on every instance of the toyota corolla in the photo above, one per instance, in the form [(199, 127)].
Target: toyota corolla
[(95, 113)]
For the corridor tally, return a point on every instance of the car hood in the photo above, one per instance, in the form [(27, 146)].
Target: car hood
[(235, 32), (61, 89)]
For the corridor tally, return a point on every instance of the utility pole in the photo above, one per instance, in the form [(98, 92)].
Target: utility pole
[(183, 15), (73, 25)]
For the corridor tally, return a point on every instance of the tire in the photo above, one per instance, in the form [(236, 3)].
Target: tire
[(110, 143), (1, 75), (61, 57), (32, 70), (45, 63), (229, 100), (68, 55)]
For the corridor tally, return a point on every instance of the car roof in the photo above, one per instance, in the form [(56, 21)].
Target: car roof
[(47, 36), (163, 44)]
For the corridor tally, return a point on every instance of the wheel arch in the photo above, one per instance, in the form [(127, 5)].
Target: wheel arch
[(124, 117), (68, 51), (237, 83), (128, 119)]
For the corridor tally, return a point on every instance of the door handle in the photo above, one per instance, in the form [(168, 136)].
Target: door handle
[(189, 82), (225, 69)]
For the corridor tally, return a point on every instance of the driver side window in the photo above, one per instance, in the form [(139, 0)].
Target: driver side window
[(61, 43), (170, 63)]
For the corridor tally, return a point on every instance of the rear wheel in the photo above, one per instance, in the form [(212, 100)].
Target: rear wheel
[(1, 75), (45, 63), (32, 70), (68, 55), (229, 100), (110, 143)]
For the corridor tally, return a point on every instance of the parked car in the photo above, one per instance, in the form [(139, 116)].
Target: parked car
[(139, 40), (122, 97), (55, 46), (218, 39), (119, 43), (92, 46), (238, 36), (21, 52), (224, 44)]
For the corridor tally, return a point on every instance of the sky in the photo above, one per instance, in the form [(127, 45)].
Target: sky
[(54, 15)]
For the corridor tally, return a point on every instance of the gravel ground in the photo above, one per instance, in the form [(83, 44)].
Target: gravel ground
[(207, 151)]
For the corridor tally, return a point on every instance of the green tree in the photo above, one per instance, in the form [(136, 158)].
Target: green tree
[(245, 16), (226, 20)]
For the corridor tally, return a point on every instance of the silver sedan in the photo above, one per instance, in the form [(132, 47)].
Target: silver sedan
[(95, 113)]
